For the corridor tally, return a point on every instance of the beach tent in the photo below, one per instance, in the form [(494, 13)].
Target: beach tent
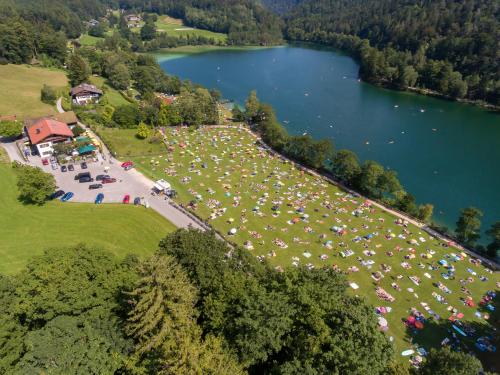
[(382, 322)]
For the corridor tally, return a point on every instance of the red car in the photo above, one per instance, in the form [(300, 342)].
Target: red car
[(45, 161), (126, 164), (126, 199), (108, 180)]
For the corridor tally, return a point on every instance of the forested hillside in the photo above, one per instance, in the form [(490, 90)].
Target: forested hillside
[(448, 46), (245, 21)]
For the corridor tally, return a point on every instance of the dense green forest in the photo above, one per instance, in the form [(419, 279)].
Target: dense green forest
[(245, 21), (446, 46), (194, 307)]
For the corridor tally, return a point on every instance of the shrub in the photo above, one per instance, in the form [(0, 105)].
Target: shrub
[(48, 94)]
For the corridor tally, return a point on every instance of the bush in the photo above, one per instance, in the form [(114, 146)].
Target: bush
[(9, 129), (34, 184), (78, 130), (48, 94)]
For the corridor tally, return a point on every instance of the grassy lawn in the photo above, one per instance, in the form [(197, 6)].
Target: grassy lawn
[(26, 231), (113, 96), (126, 144), (21, 85), (175, 27), (89, 40), (237, 185)]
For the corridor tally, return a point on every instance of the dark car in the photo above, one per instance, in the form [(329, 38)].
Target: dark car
[(85, 179), (64, 168), (137, 201), (108, 180), (71, 167), (57, 194), (102, 177), (95, 186), (83, 165), (83, 174)]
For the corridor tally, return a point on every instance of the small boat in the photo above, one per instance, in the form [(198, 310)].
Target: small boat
[(422, 110), (408, 352), (305, 133), (306, 94), (396, 106), (367, 143), (391, 142), (434, 129), (286, 121)]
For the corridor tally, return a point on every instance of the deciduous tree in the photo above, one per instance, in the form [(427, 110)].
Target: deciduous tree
[(34, 184), (468, 226)]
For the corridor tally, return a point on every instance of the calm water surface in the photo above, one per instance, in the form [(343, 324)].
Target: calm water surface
[(445, 153)]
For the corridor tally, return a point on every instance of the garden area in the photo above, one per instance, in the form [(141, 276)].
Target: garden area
[(421, 287)]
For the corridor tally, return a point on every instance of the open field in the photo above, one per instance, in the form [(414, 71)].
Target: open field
[(127, 144), (89, 40), (113, 96), (21, 85), (289, 218), (25, 231), (175, 27)]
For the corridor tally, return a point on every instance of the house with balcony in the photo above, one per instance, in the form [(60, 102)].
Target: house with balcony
[(85, 94)]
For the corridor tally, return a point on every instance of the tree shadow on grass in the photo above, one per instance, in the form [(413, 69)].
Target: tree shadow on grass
[(436, 332)]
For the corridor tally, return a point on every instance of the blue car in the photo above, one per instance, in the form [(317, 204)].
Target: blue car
[(66, 197), (99, 198)]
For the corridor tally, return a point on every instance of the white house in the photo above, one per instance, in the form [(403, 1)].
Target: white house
[(85, 93)]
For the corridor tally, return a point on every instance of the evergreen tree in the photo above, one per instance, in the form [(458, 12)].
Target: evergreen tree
[(78, 70)]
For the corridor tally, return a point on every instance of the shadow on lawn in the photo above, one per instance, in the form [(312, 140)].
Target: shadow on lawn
[(436, 332)]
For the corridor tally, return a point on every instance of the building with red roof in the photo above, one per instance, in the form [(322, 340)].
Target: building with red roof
[(46, 132)]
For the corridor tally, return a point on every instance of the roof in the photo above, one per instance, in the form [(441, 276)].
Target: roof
[(66, 117), (83, 88), (162, 185), (47, 127)]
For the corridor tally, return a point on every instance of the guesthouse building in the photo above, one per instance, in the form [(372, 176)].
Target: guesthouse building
[(45, 133)]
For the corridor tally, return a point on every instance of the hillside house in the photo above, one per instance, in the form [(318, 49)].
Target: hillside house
[(85, 94)]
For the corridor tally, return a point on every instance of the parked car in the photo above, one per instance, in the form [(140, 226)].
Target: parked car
[(128, 167), (126, 199), (127, 163), (64, 168), (45, 161), (95, 186), (99, 198), (54, 166), (57, 194), (83, 165), (137, 201), (85, 179), (71, 167), (82, 174), (102, 177), (66, 197), (108, 180)]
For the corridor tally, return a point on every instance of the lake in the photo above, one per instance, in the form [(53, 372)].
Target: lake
[(445, 153)]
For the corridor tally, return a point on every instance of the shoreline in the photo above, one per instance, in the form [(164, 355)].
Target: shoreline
[(165, 54)]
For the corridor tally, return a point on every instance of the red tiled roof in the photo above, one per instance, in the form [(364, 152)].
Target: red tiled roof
[(47, 127)]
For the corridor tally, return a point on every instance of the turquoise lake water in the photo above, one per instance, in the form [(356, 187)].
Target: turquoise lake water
[(445, 153)]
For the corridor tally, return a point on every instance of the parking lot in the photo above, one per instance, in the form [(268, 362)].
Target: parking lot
[(113, 192)]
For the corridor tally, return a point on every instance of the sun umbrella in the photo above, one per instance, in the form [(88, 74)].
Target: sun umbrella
[(232, 231)]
